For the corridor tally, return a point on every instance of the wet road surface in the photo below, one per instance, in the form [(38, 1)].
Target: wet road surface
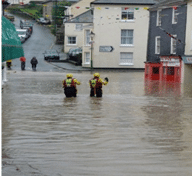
[(40, 40), (137, 128)]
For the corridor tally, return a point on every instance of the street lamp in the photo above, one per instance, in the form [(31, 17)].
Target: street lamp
[(91, 35)]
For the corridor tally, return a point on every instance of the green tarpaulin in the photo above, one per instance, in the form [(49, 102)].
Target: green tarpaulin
[(11, 44)]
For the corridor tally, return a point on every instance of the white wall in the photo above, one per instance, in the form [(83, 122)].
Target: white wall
[(107, 29), (188, 38)]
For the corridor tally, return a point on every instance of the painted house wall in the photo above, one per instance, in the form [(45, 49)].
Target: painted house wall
[(47, 10), (166, 24), (107, 29), (75, 11), (188, 46), (70, 31)]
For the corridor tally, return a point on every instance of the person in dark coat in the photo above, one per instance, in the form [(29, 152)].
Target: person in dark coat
[(34, 63)]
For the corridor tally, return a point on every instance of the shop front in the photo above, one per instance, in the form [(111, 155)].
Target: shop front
[(167, 69)]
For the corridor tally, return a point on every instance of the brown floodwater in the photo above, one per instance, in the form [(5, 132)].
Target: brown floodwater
[(137, 128)]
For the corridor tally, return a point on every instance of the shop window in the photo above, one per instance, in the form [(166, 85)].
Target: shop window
[(164, 70), (178, 72), (147, 70), (155, 70), (170, 71)]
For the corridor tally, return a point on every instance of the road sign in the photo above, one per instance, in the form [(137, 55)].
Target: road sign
[(106, 48)]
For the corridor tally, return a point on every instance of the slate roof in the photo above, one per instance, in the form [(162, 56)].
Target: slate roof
[(72, 1), (167, 4), (86, 17), (121, 2)]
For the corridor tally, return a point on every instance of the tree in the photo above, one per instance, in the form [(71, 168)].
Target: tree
[(58, 11)]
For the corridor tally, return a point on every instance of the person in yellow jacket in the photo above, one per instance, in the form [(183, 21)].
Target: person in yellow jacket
[(69, 86), (96, 85), (9, 64)]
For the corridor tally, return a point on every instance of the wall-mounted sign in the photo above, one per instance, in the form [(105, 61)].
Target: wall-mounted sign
[(106, 48), (187, 59), (170, 61)]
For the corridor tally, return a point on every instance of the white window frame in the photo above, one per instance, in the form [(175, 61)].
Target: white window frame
[(87, 37), (127, 37), (174, 16), (173, 44), (78, 27), (158, 18), (128, 58), (157, 44), (85, 57), (127, 11), (71, 43)]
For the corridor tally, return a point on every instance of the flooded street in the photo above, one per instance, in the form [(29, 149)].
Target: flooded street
[(137, 128)]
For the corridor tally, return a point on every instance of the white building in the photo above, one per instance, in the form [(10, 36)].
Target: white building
[(123, 26), (121, 32), (187, 67)]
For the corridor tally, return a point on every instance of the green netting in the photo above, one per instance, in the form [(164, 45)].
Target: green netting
[(11, 44)]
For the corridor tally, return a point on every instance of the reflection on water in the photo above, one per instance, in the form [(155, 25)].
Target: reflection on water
[(138, 128)]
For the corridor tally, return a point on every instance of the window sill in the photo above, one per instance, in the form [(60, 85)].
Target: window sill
[(127, 64), (71, 44), (127, 21), (131, 46)]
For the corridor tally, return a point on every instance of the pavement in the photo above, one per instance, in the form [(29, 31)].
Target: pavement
[(68, 65)]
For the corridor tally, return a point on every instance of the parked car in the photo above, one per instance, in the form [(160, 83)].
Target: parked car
[(23, 33), (73, 52), (43, 20), (50, 55), (22, 39), (26, 24), (10, 17)]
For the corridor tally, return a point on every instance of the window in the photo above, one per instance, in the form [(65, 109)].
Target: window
[(127, 13), (126, 58), (87, 58), (155, 70), (87, 37), (174, 17), (78, 27), (157, 45), (158, 17), (126, 37), (72, 40), (164, 70), (173, 45), (170, 70)]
